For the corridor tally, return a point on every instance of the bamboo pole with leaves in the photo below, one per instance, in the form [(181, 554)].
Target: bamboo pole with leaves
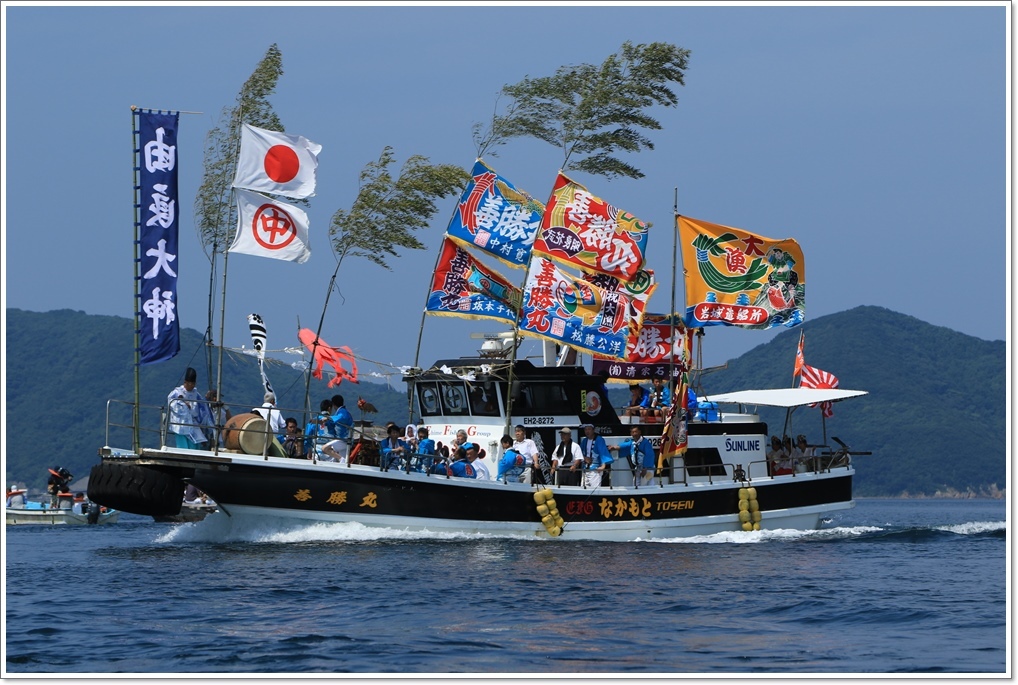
[(386, 213), (215, 212)]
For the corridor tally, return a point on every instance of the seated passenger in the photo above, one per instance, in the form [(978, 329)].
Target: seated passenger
[(460, 467), (476, 462), (783, 463), (639, 399), (660, 399), (293, 439), (802, 455), (393, 448), (775, 456)]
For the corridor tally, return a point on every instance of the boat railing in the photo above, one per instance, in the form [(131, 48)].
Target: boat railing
[(136, 423)]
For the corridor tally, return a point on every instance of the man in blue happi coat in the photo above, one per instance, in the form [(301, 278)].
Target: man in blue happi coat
[(638, 451)]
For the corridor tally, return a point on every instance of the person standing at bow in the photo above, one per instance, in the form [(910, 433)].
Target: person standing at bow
[(186, 415), (640, 454), (596, 457)]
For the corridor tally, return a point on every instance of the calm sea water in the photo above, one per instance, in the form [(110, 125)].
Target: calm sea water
[(892, 586)]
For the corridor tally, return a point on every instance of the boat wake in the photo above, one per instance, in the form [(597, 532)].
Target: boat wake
[(263, 529), (989, 529)]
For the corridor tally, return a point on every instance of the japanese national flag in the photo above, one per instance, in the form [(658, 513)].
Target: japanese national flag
[(269, 228), (272, 162)]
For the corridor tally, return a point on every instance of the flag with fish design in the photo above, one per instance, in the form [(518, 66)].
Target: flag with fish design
[(496, 217), (463, 286), (651, 352), (574, 312), (259, 335), (584, 231), (737, 278)]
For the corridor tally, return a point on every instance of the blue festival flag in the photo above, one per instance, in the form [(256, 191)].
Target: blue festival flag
[(574, 312), (494, 216), (462, 286), (156, 298)]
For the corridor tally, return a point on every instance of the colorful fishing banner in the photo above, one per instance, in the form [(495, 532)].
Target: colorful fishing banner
[(582, 230), (494, 216), (574, 312), (652, 352), (157, 232), (738, 278), (463, 286)]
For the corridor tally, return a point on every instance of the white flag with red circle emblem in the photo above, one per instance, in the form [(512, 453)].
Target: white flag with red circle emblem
[(272, 162), (270, 228)]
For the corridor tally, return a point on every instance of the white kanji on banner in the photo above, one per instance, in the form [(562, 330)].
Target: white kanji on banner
[(269, 228), (278, 163)]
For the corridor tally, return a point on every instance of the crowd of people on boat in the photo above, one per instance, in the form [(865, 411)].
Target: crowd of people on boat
[(196, 422), (786, 457)]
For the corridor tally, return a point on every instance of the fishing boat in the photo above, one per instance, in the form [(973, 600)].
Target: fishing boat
[(712, 473), (71, 510)]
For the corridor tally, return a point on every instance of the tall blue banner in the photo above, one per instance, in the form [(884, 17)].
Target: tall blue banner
[(157, 237)]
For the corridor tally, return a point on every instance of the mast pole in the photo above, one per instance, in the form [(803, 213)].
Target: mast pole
[(671, 313), (136, 185)]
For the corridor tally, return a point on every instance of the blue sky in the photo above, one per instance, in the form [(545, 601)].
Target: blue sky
[(876, 136)]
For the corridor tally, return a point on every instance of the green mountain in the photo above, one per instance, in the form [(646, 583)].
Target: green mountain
[(928, 429)]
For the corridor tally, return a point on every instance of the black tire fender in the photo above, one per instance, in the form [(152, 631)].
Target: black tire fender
[(135, 489)]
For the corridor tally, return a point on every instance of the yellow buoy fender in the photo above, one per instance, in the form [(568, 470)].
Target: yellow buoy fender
[(743, 493), (743, 505), (756, 516), (540, 497), (754, 505), (751, 493), (543, 510), (744, 516), (747, 527)]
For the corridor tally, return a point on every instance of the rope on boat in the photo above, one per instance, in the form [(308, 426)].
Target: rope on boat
[(548, 511), (749, 509)]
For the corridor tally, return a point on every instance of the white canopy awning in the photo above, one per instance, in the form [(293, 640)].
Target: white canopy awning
[(783, 397)]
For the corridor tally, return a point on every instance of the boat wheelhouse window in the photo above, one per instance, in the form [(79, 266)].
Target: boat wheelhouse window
[(454, 399), (542, 398), (704, 461), (484, 400), (427, 398)]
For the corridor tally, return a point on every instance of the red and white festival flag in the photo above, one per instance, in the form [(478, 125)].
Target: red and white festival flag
[(813, 377), (799, 358), (278, 163), (269, 228)]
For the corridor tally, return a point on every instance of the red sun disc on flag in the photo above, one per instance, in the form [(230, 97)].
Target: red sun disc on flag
[(281, 164), (273, 227)]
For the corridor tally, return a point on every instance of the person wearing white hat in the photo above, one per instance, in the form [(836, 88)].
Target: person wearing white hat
[(565, 455)]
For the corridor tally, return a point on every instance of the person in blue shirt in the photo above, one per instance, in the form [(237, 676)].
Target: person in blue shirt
[(596, 457), (320, 431), (660, 399), (342, 420), (510, 466), (638, 451), (639, 400), (393, 448), (425, 449), (460, 467)]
